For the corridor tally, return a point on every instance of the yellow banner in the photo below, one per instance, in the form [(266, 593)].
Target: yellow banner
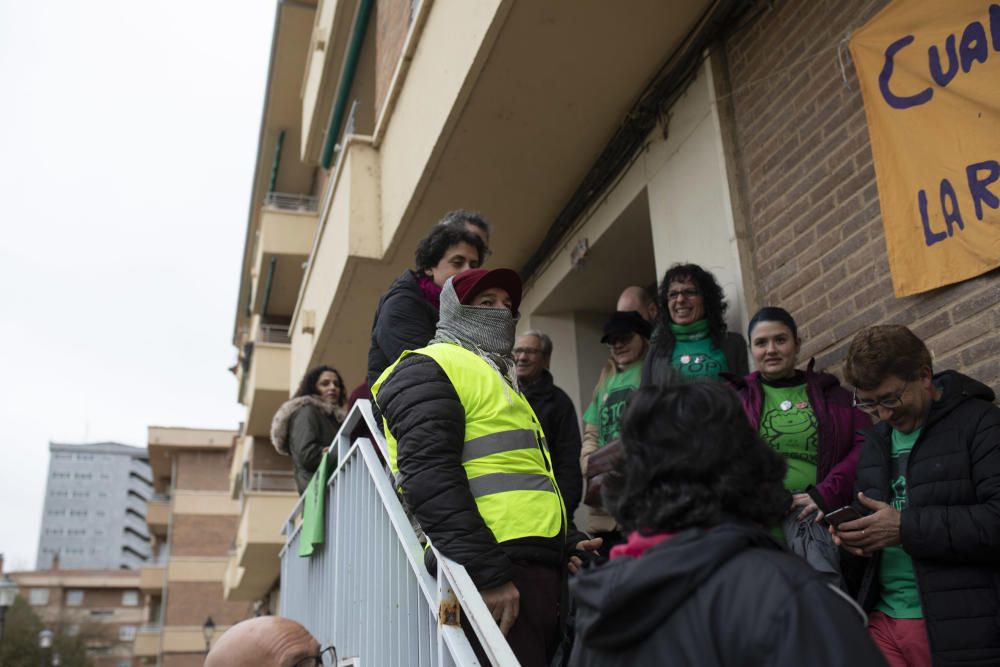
[(930, 79)]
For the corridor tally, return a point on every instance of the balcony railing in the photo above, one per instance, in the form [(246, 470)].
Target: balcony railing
[(268, 480), (274, 333), (369, 594), (284, 201)]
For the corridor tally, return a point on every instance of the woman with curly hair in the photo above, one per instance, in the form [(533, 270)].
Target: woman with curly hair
[(691, 339), (304, 426), (700, 581)]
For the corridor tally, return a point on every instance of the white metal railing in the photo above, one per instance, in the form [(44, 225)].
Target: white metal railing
[(268, 480), (274, 333), (366, 590), (291, 202)]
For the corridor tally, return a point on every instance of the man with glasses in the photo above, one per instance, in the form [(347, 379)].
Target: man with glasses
[(269, 641), (928, 486), (555, 412)]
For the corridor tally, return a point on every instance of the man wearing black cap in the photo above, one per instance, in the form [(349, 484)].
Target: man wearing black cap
[(627, 336)]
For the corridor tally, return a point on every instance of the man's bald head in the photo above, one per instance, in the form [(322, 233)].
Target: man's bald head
[(267, 641), (637, 299)]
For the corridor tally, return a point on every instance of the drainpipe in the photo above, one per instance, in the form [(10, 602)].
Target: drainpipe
[(267, 286), (276, 163), (346, 81)]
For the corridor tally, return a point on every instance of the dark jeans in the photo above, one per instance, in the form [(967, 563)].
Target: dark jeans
[(534, 636)]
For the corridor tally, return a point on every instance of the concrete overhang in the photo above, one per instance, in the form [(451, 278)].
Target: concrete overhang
[(255, 564), (164, 441), (536, 103), (283, 244)]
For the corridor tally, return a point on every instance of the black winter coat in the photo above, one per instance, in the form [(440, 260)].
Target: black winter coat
[(724, 596), (951, 524), (309, 433), (424, 414), (557, 415), (404, 320)]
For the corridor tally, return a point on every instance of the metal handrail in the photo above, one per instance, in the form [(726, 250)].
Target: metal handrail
[(453, 587)]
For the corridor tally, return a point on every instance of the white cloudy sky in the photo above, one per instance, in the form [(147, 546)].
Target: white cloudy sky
[(128, 132)]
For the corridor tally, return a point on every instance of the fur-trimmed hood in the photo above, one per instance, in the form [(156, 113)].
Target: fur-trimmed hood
[(279, 425)]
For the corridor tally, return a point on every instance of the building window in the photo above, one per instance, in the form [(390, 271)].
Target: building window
[(130, 598), (124, 663), (74, 598), (126, 633), (72, 630), (100, 613), (38, 596)]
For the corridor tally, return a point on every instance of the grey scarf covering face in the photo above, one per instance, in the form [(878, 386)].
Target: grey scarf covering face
[(489, 332)]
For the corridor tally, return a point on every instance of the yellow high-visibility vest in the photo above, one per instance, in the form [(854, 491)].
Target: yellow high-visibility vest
[(504, 455)]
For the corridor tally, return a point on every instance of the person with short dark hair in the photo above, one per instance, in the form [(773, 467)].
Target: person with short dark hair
[(555, 411), (806, 416), (928, 487), (692, 340), (700, 581), (408, 311), (304, 426), (471, 221)]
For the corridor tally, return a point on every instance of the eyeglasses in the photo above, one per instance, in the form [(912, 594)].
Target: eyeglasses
[(686, 293), (889, 403), (326, 658), (527, 350)]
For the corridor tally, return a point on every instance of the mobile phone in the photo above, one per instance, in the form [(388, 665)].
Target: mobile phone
[(839, 516)]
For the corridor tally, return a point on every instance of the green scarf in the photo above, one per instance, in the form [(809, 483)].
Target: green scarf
[(688, 332)]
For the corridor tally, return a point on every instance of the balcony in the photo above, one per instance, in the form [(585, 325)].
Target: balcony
[(254, 565), (152, 578), (147, 641), (264, 385), (158, 514), (284, 239)]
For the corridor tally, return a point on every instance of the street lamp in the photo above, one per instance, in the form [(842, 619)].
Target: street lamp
[(208, 629), (44, 643), (8, 591)]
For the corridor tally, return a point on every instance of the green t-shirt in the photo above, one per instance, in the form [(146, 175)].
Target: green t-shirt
[(605, 410), (694, 354), (899, 598), (788, 424)]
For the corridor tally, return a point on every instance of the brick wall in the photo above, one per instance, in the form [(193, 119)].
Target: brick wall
[(190, 603), (392, 20), (202, 471), (202, 534), (811, 201)]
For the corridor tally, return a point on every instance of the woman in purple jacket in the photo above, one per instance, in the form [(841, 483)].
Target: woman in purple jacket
[(804, 415)]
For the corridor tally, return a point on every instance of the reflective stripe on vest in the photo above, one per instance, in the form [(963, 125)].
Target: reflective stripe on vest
[(504, 454)]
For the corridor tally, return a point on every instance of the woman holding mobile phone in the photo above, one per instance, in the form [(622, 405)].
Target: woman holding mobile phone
[(804, 415)]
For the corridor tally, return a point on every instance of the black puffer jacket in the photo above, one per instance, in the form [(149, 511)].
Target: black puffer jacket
[(404, 320), (951, 525), (423, 412), (557, 415), (724, 596)]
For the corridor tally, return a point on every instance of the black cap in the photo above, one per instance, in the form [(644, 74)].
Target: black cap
[(626, 321)]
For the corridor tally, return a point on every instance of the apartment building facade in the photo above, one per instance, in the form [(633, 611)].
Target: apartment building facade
[(193, 520), (604, 145), (94, 515), (103, 607)]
